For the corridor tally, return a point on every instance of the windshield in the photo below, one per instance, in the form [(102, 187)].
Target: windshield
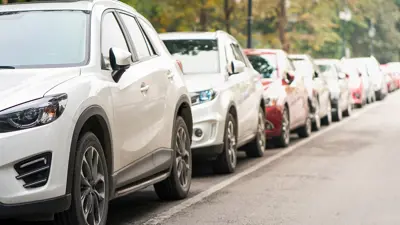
[(43, 38), (197, 56), (264, 64)]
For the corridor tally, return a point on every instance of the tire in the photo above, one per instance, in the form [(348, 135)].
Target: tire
[(316, 124), (348, 111), (379, 96), (305, 130), (177, 185), (256, 148), (338, 114), (94, 183), (227, 160), (284, 139), (327, 120)]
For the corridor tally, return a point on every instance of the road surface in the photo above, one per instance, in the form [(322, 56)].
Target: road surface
[(347, 173)]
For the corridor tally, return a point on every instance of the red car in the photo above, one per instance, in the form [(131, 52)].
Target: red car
[(286, 96), (357, 87), (393, 68)]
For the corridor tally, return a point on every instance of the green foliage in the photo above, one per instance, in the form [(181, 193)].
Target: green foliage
[(313, 26)]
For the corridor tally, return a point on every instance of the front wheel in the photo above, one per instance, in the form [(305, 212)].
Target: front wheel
[(256, 148), (284, 139), (227, 160), (327, 120), (348, 111), (90, 190), (177, 185), (305, 130)]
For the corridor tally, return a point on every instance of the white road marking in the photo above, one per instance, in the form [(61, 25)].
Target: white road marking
[(157, 220)]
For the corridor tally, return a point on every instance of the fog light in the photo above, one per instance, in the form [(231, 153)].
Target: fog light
[(198, 132)]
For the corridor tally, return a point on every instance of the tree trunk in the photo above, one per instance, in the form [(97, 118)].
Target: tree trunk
[(227, 11), (282, 22), (203, 16), (4, 1)]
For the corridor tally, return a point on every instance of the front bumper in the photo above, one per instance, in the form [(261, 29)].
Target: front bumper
[(274, 121), (357, 96), (210, 119), (37, 208), (19, 146)]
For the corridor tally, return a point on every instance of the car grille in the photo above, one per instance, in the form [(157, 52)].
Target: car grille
[(34, 171)]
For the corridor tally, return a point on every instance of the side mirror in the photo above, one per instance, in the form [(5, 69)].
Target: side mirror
[(289, 78), (235, 67), (120, 59), (316, 74), (342, 75)]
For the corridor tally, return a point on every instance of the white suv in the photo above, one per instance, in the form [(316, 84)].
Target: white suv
[(227, 96), (93, 107)]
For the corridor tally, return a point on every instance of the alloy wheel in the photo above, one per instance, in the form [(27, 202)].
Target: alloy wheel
[(231, 143), (309, 126), (93, 187), (285, 127), (183, 158), (261, 131)]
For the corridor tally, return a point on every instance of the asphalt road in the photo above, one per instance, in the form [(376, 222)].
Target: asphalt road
[(347, 173)]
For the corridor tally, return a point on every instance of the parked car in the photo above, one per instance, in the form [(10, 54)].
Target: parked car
[(286, 97), (227, 97), (338, 84), (358, 83), (389, 78), (375, 75), (394, 68), (318, 90), (102, 112)]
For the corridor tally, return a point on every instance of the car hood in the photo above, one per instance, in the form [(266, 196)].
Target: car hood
[(21, 85), (202, 82)]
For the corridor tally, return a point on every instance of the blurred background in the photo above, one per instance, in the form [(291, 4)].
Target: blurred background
[(321, 28)]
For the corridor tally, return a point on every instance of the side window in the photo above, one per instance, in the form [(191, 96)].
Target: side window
[(290, 65), (237, 53), (136, 35), (111, 37), (148, 32)]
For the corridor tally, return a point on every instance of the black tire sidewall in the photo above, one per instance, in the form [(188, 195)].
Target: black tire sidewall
[(180, 122), (87, 140), (226, 153)]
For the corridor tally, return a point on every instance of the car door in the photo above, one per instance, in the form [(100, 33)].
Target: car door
[(236, 84), (158, 81), (248, 90), (290, 88), (133, 95), (321, 85), (343, 87), (295, 92)]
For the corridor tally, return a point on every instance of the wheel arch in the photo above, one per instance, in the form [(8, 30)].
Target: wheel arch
[(183, 109), (93, 119)]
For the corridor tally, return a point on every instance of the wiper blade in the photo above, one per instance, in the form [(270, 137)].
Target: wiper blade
[(7, 67)]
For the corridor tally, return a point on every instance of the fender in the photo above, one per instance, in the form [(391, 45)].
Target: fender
[(94, 110)]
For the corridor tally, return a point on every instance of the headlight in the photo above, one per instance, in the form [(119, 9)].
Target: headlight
[(34, 113), (203, 96)]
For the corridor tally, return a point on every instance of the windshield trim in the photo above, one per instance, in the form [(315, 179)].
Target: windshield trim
[(87, 42)]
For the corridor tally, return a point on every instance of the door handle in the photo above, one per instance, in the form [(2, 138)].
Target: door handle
[(144, 87), (170, 75)]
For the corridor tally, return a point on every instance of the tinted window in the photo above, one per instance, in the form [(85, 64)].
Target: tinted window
[(263, 64), (136, 35), (111, 37), (43, 38), (197, 56)]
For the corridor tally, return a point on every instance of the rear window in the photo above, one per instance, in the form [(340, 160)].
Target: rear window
[(265, 65), (197, 56)]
